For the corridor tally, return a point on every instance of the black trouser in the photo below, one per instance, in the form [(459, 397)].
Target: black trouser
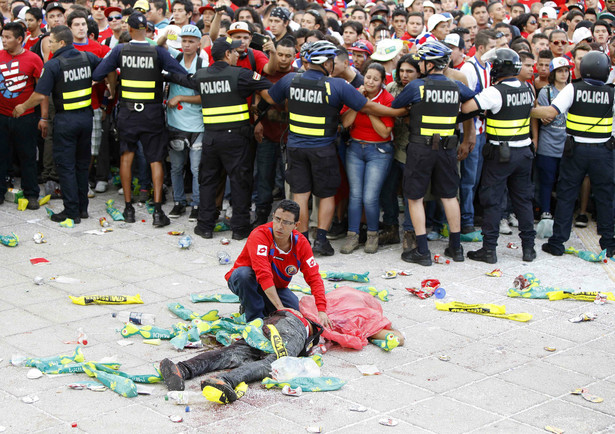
[(516, 175), (20, 135), (72, 151), (248, 364), (229, 150)]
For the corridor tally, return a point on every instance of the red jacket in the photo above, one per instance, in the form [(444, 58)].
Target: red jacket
[(276, 268)]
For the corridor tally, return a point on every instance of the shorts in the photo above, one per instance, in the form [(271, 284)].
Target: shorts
[(313, 170), (147, 127), (424, 165)]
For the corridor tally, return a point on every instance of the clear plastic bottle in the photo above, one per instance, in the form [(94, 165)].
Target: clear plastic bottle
[(287, 368), (138, 318), (185, 397), (224, 258)]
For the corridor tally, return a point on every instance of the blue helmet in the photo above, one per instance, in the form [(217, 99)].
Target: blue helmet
[(319, 52), (435, 52)]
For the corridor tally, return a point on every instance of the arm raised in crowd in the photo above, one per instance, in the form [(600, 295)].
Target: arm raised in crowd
[(373, 108)]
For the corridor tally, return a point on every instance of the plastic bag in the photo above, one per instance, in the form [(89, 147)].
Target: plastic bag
[(287, 368), (544, 229), (355, 316)]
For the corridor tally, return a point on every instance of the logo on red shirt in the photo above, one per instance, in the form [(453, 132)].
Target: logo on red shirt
[(12, 80), (311, 262), (291, 270), (261, 250)]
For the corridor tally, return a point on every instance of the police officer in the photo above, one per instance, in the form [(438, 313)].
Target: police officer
[(588, 150), (314, 104), (432, 153), (141, 113), (68, 78), (224, 90), (508, 154)]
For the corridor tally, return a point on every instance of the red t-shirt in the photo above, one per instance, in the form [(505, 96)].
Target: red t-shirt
[(275, 125), (17, 79), (362, 128), (101, 51), (30, 42), (104, 34), (260, 59), (276, 268)]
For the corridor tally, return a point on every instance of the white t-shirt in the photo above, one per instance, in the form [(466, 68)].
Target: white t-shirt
[(491, 99), (473, 72)]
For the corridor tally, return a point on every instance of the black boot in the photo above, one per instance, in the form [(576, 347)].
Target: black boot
[(483, 255), (262, 215), (389, 235), (172, 375)]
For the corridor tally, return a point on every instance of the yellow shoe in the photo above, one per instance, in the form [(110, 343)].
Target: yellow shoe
[(219, 391)]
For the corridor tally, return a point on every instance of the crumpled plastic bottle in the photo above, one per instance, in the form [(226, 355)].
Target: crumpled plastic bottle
[(287, 368)]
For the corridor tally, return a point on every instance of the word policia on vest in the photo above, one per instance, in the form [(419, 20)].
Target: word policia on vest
[(519, 99), (592, 97), (442, 96), (78, 73), (215, 87), (306, 95), (137, 62)]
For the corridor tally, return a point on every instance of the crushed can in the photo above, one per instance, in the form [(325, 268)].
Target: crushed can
[(39, 238), (103, 222), (225, 241), (512, 246), (600, 298)]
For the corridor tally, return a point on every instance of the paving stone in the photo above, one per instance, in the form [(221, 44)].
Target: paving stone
[(566, 416)]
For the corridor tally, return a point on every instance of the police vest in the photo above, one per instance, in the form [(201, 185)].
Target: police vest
[(73, 88), (140, 74), (437, 111), (309, 111), (223, 107), (591, 113), (512, 122)]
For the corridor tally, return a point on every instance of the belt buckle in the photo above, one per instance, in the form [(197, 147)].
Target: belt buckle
[(139, 106)]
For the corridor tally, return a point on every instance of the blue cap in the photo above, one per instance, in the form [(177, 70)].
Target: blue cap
[(191, 30)]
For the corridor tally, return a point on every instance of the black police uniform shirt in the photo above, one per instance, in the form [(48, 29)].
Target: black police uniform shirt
[(51, 70), (491, 99), (342, 93), (564, 100), (411, 94), (112, 61)]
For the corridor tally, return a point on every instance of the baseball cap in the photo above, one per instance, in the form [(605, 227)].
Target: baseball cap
[(54, 5), (137, 21), (551, 4), (173, 39), (363, 46), (408, 3), (454, 40), (606, 15), (205, 8), (547, 11), (19, 12), (378, 18), (222, 45), (337, 11), (387, 49), (141, 4), (576, 6), (379, 10), (429, 4), (558, 62), (110, 10), (436, 19), (581, 34), (191, 30), (239, 26)]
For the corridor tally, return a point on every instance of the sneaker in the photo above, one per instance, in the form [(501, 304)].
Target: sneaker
[(529, 254), (91, 193), (60, 217), (552, 250), (143, 196), (433, 236), (546, 216), (120, 191), (415, 257), (467, 229), (323, 248), (483, 255), (581, 221), (338, 230), (172, 376), (512, 220), (456, 254), (160, 219), (84, 214), (101, 186), (218, 390), (194, 214), (129, 214), (33, 203), (240, 235), (203, 233), (177, 211), (504, 227)]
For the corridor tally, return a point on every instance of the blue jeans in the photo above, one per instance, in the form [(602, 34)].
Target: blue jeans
[(267, 155), (547, 170), (367, 165), (178, 159), (471, 169), (144, 174), (388, 198), (253, 298)]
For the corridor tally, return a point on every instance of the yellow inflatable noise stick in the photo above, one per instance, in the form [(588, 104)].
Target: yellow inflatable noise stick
[(485, 309), (583, 296), (106, 299)]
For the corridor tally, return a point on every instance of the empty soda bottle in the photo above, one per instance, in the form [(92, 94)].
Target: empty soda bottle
[(224, 258)]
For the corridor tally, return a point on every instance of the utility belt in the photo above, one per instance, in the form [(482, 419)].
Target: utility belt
[(136, 106), (503, 151), (436, 141), (571, 143)]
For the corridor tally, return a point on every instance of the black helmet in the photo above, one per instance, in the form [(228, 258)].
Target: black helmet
[(504, 63), (596, 65)]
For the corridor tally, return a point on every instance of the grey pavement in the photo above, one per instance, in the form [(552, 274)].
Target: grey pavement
[(500, 378)]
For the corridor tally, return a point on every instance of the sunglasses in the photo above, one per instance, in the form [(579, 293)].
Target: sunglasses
[(559, 42), (115, 17), (532, 22), (99, 8)]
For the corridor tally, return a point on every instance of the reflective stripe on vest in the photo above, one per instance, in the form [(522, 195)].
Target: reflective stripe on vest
[(77, 94), (431, 123), (310, 113), (73, 89), (436, 112), (140, 74), (515, 127), (591, 112), (589, 124), (512, 121)]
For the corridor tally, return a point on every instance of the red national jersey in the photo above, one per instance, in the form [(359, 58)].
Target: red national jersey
[(101, 51), (274, 267), (18, 76), (104, 34)]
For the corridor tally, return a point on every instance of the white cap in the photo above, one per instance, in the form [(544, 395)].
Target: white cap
[(436, 19), (21, 16), (173, 39), (408, 3), (551, 4), (580, 34), (548, 11), (239, 26), (453, 39), (387, 49), (429, 4), (559, 62)]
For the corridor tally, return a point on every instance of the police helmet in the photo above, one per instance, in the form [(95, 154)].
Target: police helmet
[(436, 53), (504, 63), (596, 65), (319, 52)]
